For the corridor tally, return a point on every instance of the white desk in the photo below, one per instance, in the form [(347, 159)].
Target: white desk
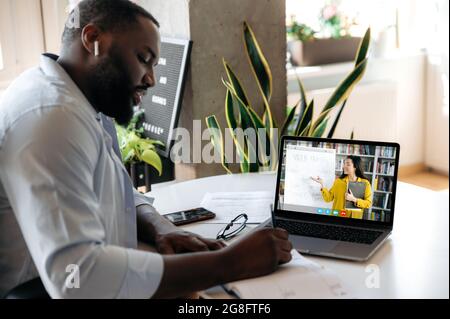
[(413, 263)]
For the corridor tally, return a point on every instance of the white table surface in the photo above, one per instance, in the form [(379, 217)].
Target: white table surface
[(413, 263)]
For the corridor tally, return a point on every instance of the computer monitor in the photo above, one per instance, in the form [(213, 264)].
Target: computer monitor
[(316, 174)]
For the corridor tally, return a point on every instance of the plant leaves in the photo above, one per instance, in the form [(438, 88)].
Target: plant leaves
[(258, 61), (261, 132), (235, 84), (361, 57), (336, 121), (258, 124), (289, 119), (305, 132), (152, 158), (306, 119), (248, 124), (320, 119), (318, 132), (363, 48), (232, 126), (303, 105), (263, 74), (217, 140), (343, 91)]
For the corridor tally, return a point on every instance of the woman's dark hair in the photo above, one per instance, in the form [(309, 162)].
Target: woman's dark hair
[(357, 163)]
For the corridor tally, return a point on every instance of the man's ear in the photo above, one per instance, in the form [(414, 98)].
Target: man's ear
[(90, 37)]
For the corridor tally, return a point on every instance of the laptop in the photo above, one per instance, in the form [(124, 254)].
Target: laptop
[(317, 219)]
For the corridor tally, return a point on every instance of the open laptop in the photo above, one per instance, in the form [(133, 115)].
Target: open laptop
[(317, 221)]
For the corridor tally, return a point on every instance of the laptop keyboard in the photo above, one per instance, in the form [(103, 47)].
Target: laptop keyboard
[(353, 235)]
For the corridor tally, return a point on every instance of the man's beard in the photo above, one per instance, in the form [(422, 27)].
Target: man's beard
[(111, 88)]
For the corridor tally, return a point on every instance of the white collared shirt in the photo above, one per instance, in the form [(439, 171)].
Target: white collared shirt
[(63, 200)]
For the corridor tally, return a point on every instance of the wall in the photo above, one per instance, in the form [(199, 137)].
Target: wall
[(215, 27)]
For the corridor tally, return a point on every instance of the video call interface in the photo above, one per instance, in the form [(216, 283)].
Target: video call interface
[(340, 180)]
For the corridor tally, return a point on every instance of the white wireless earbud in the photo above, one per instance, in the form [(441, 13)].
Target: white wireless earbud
[(96, 49)]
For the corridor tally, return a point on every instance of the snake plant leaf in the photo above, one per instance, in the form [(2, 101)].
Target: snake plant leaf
[(346, 87), (263, 136), (236, 84), (247, 123), (306, 119), (268, 119), (261, 71), (229, 110), (352, 136), (305, 132), (258, 61), (303, 105), (254, 122), (320, 119), (260, 129), (318, 132), (232, 126), (217, 140), (152, 158), (360, 57), (336, 121), (363, 48), (289, 119)]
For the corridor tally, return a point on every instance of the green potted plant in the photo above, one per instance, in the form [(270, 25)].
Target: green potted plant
[(139, 154), (332, 44), (240, 113)]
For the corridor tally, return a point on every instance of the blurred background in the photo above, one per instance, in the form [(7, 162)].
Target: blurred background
[(403, 96)]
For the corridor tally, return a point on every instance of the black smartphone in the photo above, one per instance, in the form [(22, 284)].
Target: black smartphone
[(189, 216)]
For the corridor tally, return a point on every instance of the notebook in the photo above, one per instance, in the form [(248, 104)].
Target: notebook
[(359, 190), (299, 279)]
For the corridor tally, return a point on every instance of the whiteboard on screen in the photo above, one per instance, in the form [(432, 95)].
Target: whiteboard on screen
[(302, 163)]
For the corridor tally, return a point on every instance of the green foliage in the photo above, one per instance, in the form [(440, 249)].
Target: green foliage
[(134, 148), (300, 31), (300, 120)]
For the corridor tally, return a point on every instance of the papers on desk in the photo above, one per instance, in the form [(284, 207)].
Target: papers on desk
[(228, 205), (299, 279)]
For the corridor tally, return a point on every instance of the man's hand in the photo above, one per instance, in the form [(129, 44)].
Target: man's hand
[(178, 242), (259, 253), (256, 254)]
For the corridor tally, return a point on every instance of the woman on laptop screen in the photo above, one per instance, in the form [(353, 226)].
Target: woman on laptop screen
[(351, 191)]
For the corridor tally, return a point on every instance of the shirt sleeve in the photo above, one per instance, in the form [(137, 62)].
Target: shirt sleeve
[(328, 194), (48, 165), (141, 199)]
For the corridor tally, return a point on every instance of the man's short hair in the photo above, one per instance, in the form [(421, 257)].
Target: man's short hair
[(107, 15)]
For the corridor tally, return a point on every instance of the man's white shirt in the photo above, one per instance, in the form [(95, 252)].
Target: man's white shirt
[(63, 196)]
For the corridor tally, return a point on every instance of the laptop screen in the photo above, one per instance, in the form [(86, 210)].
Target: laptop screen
[(355, 181)]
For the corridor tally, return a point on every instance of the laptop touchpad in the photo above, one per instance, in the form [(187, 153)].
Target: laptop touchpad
[(312, 244)]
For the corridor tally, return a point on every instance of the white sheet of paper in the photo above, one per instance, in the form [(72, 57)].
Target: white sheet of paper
[(299, 279), (228, 205)]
